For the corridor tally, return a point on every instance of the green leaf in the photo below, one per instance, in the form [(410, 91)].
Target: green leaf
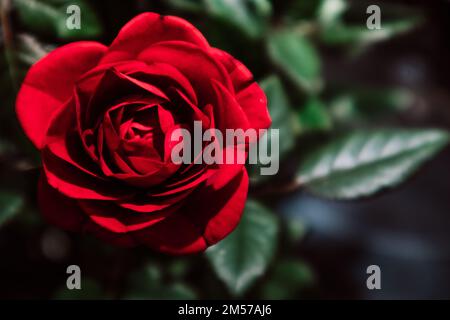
[(359, 37), (178, 268), (314, 116), (363, 163), (10, 205), (244, 255), (301, 10), (251, 16), (331, 11), (146, 284), (288, 278), (359, 105), (187, 5), (296, 56), (49, 17), (335, 31)]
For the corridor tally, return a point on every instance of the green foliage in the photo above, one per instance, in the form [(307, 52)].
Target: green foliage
[(187, 5), (49, 17), (367, 104), (364, 162), (147, 284), (314, 116), (244, 255), (10, 205), (359, 37), (250, 16), (287, 280), (296, 56), (335, 30), (300, 10), (330, 12)]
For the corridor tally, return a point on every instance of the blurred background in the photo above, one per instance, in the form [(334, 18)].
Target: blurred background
[(326, 74)]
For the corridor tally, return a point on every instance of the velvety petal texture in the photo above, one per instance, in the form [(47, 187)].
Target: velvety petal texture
[(49, 83), (102, 117)]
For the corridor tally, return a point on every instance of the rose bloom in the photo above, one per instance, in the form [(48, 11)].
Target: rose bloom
[(101, 117)]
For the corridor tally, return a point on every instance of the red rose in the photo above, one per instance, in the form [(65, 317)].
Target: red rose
[(100, 117)]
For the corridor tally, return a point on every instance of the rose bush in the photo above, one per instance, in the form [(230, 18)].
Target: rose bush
[(101, 117)]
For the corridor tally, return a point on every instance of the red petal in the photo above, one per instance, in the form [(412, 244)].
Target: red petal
[(146, 86), (196, 114), (74, 183), (248, 93), (228, 112), (149, 203), (68, 168), (195, 63), (63, 141), (175, 235), (211, 215), (50, 82), (119, 220), (162, 74), (254, 103), (219, 210), (147, 29)]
